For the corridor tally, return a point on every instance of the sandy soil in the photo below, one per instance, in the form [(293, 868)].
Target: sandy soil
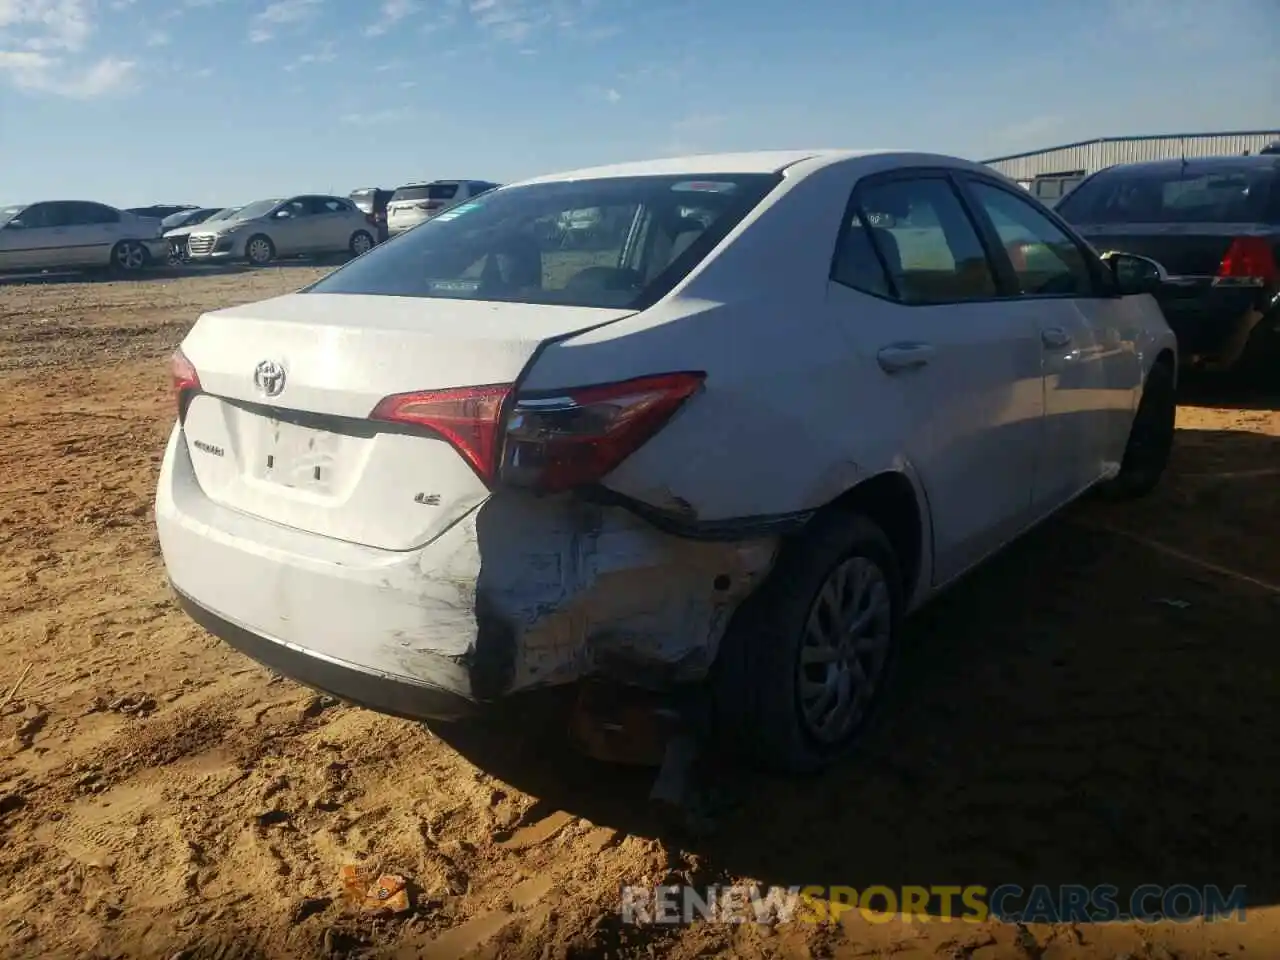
[(1089, 708)]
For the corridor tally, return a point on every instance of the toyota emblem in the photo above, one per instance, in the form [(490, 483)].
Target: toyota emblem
[(268, 376)]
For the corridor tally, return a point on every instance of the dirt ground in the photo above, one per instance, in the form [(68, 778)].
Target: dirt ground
[(1089, 708)]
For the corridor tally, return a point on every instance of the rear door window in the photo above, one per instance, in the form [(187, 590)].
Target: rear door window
[(926, 240), (1171, 194)]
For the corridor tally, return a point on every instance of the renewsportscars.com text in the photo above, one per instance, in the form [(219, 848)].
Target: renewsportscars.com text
[(1068, 903)]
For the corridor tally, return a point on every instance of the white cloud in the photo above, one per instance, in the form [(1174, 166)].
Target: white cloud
[(327, 52), (280, 13), (47, 24), (158, 38), (612, 95), (45, 74), (45, 40), (391, 13)]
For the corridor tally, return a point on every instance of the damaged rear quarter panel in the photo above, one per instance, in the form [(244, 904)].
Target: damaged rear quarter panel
[(576, 588)]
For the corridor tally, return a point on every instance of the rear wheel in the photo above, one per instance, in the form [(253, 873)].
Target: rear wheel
[(128, 256), (361, 243), (806, 658), (1150, 438), (259, 250)]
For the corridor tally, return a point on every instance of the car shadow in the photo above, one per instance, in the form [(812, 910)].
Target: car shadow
[(1197, 389), (1088, 707), (152, 274)]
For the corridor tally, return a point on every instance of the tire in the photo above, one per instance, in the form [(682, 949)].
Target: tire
[(761, 682), (259, 250), (129, 257), (361, 242), (1150, 438)]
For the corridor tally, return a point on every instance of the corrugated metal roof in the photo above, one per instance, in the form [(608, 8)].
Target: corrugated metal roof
[(1144, 136), (1089, 156)]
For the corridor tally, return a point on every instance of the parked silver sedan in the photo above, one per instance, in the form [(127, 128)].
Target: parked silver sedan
[(75, 234), (268, 229)]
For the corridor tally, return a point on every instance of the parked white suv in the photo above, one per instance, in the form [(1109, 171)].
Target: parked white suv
[(70, 234), (267, 229), (415, 203), (734, 439)]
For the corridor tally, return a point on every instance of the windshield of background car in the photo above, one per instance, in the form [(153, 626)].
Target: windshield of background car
[(179, 219), (1171, 194), (364, 199), (8, 213), (427, 191), (529, 244), (257, 209)]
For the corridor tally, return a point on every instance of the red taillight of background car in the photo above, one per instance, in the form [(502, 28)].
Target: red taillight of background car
[(470, 418), (185, 379), (1249, 261), (548, 442), (579, 436)]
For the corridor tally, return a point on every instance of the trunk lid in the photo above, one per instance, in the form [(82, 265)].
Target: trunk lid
[(1189, 250), (309, 458)]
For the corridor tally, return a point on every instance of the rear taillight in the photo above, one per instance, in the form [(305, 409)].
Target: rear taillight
[(551, 442), (577, 437), (186, 382), (1249, 261), (470, 418)]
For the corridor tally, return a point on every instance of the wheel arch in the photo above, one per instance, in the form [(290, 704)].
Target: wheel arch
[(894, 500)]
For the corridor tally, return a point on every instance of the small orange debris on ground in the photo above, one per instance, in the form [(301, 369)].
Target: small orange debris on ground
[(389, 893)]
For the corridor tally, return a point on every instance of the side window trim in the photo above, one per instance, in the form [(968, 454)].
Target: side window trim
[(1092, 263)]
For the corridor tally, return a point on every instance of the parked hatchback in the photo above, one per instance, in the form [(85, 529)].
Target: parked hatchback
[(74, 234), (731, 440), (1214, 224), (415, 203), (262, 231)]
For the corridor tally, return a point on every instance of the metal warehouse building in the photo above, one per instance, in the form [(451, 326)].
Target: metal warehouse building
[(1051, 173)]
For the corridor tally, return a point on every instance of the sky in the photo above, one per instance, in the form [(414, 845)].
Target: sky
[(216, 102)]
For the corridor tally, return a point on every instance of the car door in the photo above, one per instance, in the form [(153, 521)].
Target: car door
[(948, 368), (93, 230), (291, 227), (340, 220), (47, 239), (1091, 368)]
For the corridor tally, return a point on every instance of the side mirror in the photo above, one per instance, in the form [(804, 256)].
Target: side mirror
[(1135, 274), (283, 214)]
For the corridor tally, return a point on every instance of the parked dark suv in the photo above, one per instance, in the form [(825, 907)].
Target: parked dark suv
[(1214, 224), (372, 201)]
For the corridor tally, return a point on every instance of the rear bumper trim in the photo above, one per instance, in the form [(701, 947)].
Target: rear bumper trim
[(394, 696)]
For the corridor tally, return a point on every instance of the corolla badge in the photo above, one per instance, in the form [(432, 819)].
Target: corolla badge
[(268, 376)]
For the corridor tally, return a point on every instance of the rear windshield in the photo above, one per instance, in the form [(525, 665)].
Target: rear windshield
[(1169, 194), (618, 242), (428, 191)]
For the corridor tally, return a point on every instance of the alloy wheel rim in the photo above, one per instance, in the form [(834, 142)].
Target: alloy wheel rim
[(258, 251), (130, 256), (361, 244), (844, 649)]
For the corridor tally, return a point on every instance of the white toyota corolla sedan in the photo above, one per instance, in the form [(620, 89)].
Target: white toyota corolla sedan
[(774, 404)]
